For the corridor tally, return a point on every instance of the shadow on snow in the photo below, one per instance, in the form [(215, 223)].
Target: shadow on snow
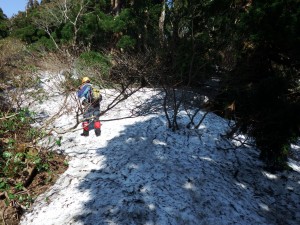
[(152, 175)]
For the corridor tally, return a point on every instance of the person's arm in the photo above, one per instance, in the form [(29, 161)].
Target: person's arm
[(83, 91)]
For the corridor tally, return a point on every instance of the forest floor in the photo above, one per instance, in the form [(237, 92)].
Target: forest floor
[(40, 184)]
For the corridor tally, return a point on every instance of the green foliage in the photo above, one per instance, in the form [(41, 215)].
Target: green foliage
[(66, 163), (263, 82), (2, 15), (18, 157), (106, 22), (26, 33), (45, 1), (3, 184), (126, 42), (66, 33), (109, 23), (22, 27), (275, 23), (90, 30), (3, 25), (44, 44), (96, 26), (92, 63)]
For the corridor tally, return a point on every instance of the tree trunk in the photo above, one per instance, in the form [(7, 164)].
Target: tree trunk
[(29, 4), (116, 6), (145, 34), (35, 4), (161, 24)]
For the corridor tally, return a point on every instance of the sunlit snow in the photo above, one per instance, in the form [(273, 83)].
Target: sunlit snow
[(141, 172)]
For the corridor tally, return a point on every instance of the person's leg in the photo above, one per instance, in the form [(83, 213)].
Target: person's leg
[(97, 124), (85, 124)]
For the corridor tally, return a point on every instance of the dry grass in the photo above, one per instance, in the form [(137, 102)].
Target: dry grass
[(17, 69)]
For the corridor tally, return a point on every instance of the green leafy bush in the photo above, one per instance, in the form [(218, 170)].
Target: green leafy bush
[(93, 64), (126, 42), (19, 158), (264, 82), (43, 44)]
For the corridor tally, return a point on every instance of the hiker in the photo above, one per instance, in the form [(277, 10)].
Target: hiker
[(91, 105)]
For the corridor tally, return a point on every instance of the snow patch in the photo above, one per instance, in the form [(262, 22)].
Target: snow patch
[(140, 172)]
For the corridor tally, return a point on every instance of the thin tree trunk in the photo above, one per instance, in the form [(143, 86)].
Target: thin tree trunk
[(145, 34), (116, 6), (161, 24)]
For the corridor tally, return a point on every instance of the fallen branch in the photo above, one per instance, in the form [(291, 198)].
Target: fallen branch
[(10, 116), (3, 214), (32, 174), (197, 126)]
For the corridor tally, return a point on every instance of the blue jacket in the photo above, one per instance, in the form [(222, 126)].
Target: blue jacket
[(85, 92)]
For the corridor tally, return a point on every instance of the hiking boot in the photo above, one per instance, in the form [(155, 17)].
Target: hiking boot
[(85, 133), (98, 132)]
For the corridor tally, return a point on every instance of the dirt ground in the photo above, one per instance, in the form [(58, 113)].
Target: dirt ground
[(10, 215)]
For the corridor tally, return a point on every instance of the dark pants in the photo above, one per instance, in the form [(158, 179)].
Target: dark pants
[(91, 113), (91, 119)]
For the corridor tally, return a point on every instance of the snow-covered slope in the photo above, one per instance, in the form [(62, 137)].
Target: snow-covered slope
[(140, 172)]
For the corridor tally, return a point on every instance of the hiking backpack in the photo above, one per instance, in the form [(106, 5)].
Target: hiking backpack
[(95, 93)]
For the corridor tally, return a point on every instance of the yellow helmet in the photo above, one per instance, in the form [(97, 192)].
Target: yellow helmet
[(85, 79)]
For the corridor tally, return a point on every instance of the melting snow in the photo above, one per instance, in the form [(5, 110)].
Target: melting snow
[(140, 172)]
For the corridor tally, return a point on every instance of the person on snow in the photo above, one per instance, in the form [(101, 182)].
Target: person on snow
[(91, 107)]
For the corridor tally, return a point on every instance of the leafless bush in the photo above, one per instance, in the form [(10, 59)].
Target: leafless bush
[(12, 68), (148, 69), (187, 99), (180, 96), (123, 73), (140, 69), (11, 53)]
